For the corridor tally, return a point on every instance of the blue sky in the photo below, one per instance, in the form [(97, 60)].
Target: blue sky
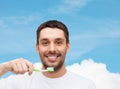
[(94, 27)]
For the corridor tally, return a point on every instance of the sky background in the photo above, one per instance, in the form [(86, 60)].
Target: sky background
[(94, 27)]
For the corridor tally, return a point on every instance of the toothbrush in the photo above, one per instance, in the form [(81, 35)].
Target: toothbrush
[(49, 69)]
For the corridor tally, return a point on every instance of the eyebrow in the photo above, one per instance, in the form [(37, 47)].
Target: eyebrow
[(60, 39), (45, 39)]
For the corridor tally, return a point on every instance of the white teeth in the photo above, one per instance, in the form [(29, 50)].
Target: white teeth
[(52, 57)]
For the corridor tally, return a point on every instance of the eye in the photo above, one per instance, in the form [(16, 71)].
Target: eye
[(59, 42), (45, 43)]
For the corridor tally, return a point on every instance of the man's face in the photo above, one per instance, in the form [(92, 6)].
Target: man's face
[(52, 47)]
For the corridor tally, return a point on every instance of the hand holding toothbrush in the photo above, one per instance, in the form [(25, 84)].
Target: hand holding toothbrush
[(21, 66), (17, 66)]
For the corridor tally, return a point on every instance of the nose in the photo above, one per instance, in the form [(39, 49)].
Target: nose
[(52, 47)]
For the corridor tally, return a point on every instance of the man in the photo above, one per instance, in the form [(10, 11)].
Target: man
[(52, 46)]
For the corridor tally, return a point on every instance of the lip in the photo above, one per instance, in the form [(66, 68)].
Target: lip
[(52, 58)]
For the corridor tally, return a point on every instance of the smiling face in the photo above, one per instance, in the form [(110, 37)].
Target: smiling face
[(52, 47)]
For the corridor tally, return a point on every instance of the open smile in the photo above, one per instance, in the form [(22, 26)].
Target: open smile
[(52, 58)]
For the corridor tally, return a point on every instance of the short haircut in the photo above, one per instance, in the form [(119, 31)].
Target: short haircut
[(53, 24)]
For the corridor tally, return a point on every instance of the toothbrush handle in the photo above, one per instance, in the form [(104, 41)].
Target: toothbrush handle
[(36, 70)]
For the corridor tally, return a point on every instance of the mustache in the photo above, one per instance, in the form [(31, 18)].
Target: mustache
[(53, 53)]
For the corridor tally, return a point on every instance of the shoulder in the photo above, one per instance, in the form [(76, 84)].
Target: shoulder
[(76, 76), (80, 80)]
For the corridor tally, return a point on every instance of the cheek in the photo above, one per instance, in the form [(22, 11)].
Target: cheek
[(40, 49), (63, 50)]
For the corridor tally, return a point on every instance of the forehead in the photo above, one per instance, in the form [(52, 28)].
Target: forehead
[(51, 33)]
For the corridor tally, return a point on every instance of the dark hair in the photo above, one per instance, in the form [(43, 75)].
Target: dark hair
[(53, 24)]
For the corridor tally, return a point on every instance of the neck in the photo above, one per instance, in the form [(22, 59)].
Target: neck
[(58, 73)]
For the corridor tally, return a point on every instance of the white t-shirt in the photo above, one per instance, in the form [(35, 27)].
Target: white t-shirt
[(38, 81)]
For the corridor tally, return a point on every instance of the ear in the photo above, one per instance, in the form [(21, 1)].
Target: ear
[(37, 47), (68, 47)]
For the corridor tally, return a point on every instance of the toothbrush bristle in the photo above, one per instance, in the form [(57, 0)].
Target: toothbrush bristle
[(50, 69)]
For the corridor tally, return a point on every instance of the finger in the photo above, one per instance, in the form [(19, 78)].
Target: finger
[(20, 68), (24, 67), (17, 66), (14, 68), (30, 70), (30, 67)]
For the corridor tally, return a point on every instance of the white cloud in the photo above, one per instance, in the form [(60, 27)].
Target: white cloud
[(20, 19), (98, 28), (16, 41), (68, 6), (17, 32), (98, 73), (95, 34)]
